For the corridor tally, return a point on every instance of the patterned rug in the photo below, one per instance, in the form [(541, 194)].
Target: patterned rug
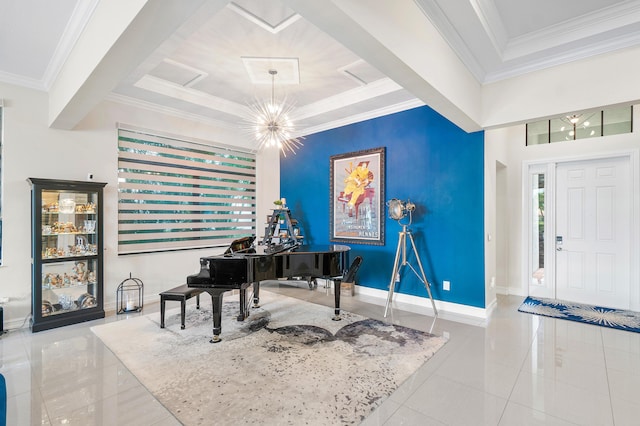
[(288, 363), (589, 314)]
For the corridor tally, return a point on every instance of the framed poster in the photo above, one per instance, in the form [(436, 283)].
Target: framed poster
[(357, 197)]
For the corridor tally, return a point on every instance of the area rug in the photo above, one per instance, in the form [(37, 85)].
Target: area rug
[(597, 315), (288, 363)]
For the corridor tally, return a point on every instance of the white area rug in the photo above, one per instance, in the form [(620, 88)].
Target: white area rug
[(288, 363)]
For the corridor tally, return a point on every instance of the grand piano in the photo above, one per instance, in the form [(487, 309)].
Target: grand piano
[(247, 266)]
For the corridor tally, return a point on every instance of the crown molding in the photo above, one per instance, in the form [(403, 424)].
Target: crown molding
[(357, 118), (372, 90), (273, 29), (193, 96), (78, 21), (149, 106), (19, 80), (589, 35), (491, 22), (432, 11), (550, 61), (586, 27)]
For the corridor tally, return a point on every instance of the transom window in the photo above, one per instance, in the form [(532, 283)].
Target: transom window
[(588, 124)]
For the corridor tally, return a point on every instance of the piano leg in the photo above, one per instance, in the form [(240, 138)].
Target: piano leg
[(244, 304), (337, 284), (256, 294), (216, 304)]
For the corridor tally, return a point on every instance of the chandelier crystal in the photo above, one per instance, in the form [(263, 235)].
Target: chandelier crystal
[(271, 125)]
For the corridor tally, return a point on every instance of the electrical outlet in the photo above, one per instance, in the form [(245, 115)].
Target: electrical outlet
[(446, 285)]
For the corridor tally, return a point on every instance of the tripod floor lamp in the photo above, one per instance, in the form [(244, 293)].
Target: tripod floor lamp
[(398, 210)]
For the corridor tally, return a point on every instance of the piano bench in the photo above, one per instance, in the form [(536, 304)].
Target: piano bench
[(181, 294)]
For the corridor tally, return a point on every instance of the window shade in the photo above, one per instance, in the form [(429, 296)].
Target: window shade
[(175, 194)]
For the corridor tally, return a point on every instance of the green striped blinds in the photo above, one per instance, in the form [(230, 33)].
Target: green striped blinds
[(175, 194)]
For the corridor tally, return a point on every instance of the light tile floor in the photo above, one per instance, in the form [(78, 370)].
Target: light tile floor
[(514, 369)]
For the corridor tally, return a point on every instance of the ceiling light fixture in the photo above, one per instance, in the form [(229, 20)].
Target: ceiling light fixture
[(271, 125), (576, 122)]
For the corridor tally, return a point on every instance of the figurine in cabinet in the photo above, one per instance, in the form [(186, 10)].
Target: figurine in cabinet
[(81, 272)]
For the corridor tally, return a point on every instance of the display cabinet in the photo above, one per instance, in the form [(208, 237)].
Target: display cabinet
[(67, 246)]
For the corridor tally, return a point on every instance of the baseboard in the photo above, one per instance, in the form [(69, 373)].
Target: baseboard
[(502, 290), (422, 305), (16, 324), (406, 302)]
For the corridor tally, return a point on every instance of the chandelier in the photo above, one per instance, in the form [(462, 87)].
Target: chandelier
[(271, 125)]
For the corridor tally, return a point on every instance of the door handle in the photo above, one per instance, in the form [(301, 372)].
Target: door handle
[(558, 248)]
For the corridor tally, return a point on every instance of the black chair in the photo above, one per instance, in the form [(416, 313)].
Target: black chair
[(353, 270), (350, 276)]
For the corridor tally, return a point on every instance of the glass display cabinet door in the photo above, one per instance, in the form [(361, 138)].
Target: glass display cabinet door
[(67, 252)]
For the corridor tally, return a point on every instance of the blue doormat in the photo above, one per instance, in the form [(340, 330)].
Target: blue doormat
[(588, 314)]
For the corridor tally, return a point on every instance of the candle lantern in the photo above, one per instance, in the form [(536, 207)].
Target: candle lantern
[(129, 296)]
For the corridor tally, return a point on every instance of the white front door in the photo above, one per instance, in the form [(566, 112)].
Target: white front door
[(593, 218)]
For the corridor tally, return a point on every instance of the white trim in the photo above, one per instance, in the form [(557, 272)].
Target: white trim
[(579, 28), (381, 87), (273, 29), (78, 21), (422, 305), (357, 118), (190, 95), (167, 135), (149, 106)]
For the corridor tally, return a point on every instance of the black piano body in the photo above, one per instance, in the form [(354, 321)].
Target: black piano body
[(241, 270)]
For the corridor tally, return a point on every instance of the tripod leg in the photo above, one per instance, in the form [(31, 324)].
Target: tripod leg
[(424, 277), (392, 282)]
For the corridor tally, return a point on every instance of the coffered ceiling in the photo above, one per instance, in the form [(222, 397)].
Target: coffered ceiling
[(218, 59)]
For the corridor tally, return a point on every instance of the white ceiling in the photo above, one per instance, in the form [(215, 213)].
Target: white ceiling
[(216, 63)]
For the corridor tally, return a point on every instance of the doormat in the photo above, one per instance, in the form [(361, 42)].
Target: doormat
[(287, 364), (597, 315)]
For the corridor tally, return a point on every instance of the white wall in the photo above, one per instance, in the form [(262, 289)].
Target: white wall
[(601, 80), (495, 153), (32, 149), (507, 145)]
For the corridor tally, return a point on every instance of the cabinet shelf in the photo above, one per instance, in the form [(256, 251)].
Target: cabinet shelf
[(66, 286), (74, 213), (68, 258), (67, 233)]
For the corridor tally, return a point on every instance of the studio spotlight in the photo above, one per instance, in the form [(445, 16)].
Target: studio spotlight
[(398, 210)]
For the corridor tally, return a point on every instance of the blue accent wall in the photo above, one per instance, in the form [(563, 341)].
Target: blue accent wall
[(430, 161)]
